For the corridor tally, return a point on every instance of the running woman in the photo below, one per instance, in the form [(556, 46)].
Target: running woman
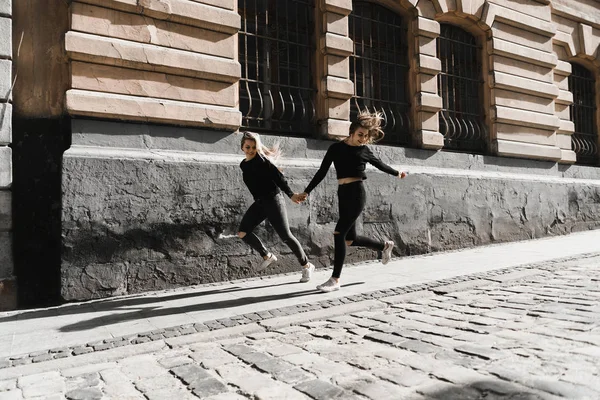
[(265, 181), (350, 157)]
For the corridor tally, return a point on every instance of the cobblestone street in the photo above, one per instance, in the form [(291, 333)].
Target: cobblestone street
[(526, 333)]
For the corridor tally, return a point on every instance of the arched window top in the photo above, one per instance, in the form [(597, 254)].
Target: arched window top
[(460, 85), (276, 49), (583, 114), (379, 67)]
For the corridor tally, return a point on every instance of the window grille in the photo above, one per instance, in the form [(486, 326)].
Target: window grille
[(379, 68), (583, 114), (460, 85), (276, 48)]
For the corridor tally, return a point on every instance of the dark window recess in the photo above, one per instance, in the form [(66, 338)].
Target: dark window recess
[(276, 47), (379, 68), (583, 114), (460, 85)]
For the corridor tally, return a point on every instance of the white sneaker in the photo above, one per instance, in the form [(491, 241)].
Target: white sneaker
[(307, 273), (270, 260), (387, 252), (329, 286)]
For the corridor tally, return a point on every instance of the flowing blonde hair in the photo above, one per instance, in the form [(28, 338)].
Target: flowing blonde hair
[(370, 121), (272, 153)]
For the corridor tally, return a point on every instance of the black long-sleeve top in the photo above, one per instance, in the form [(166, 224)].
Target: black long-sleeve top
[(349, 162), (263, 179)]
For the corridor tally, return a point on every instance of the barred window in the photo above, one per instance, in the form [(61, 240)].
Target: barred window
[(583, 114), (460, 85), (379, 68), (276, 47)]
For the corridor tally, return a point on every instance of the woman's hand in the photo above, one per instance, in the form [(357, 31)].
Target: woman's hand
[(402, 175), (298, 197)]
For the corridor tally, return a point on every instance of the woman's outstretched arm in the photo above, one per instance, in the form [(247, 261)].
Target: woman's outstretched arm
[(321, 173)]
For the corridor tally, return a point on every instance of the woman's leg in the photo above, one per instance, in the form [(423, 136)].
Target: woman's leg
[(253, 216), (277, 216), (351, 199)]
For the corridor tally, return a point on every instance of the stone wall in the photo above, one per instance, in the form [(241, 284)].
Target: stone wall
[(141, 218), (7, 273)]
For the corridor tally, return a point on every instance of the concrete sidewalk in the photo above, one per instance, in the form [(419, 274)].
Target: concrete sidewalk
[(26, 332)]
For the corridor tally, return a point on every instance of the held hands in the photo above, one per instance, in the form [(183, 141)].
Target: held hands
[(402, 175), (299, 197)]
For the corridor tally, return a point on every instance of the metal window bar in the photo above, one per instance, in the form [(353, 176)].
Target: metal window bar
[(276, 48), (379, 68), (459, 85), (583, 114)]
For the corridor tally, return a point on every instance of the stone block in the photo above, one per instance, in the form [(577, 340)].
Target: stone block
[(524, 37), (563, 68), (193, 13), (429, 121), (427, 83), (427, 27), (526, 118), (104, 78), (132, 108), (110, 51), (428, 64), (135, 27), (525, 134), (430, 139), (6, 8), (567, 157), (428, 102), (336, 23), (338, 108), (5, 123), (337, 45), (6, 35), (338, 66), (522, 68), (523, 11), (564, 97), (338, 87), (343, 7), (519, 18), (522, 101), (502, 80), (527, 150), (563, 141), (335, 128), (523, 53), (427, 46), (5, 167), (5, 78), (5, 210), (566, 126)]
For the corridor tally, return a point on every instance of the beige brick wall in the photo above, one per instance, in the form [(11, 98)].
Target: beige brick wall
[(171, 62)]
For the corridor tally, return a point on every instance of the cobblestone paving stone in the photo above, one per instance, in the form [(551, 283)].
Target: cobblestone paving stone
[(531, 332)]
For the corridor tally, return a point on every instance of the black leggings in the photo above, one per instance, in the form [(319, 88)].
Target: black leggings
[(273, 209), (351, 199)]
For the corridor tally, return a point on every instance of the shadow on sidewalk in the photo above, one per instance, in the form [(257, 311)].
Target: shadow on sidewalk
[(151, 312), (483, 389), (115, 304)]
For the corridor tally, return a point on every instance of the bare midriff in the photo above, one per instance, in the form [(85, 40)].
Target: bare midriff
[(344, 181)]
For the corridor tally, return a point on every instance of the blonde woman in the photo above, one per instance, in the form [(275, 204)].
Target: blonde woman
[(350, 157), (265, 182)]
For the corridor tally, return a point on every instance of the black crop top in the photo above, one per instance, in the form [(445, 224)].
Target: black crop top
[(263, 179), (350, 162)]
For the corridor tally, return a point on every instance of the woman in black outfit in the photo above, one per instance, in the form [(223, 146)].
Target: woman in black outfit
[(265, 182), (350, 157)]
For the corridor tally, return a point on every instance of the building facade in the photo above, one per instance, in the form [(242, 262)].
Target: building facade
[(129, 109)]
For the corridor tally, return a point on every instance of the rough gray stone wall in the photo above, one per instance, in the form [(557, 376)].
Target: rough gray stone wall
[(7, 279), (146, 219)]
